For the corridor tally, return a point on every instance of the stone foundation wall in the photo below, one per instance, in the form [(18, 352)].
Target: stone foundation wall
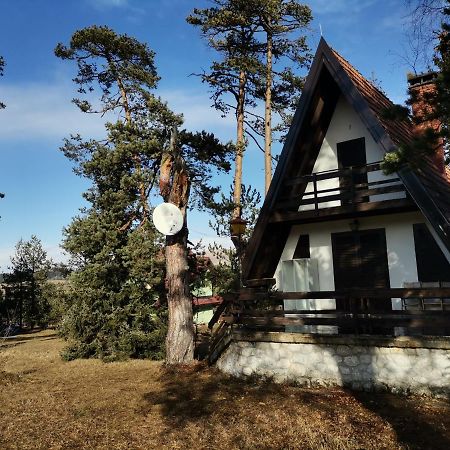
[(397, 364)]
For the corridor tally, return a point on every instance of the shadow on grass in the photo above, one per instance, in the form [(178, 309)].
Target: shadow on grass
[(213, 401), (191, 394), (15, 341), (419, 423), (32, 335)]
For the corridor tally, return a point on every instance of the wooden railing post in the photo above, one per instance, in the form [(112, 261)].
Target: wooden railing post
[(352, 186), (316, 202)]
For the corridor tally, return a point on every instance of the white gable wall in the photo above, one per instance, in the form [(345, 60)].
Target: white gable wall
[(344, 126), (399, 242)]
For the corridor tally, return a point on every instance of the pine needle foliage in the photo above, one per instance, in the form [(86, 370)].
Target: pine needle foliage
[(111, 310), (260, 45), (411, 154), (118, 303)]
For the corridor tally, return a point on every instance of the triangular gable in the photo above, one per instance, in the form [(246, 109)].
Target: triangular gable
[(331, 76)]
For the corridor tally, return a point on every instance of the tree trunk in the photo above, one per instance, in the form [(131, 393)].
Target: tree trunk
[(33, 302), (268, 117), (20, 306), (180, 334), (240, 146)]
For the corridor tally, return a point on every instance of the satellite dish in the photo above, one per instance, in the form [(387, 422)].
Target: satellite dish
[(167, 219)]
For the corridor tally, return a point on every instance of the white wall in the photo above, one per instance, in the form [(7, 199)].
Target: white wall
[(399, 242), (344, 126)]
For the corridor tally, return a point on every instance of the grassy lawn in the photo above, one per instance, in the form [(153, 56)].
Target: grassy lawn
[(50, 404)]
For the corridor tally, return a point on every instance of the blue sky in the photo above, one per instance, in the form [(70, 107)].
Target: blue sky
[(42, 193)]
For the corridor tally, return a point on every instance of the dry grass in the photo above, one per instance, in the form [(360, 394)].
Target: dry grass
[(50, 404)]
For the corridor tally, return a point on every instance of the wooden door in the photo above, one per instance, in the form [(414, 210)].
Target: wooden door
[(352, 154), (360, 261)]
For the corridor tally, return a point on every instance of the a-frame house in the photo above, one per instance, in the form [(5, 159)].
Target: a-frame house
[(330, 202), (347, 275)]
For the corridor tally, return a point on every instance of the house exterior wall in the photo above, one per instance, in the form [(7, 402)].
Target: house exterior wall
[(345, 125), (399, 241), (203, 315), (401, 364)]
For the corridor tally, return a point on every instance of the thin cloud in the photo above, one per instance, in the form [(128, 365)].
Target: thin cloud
[(103, 4), (133, 13), (197, 111), (340, 6), (44, 111)]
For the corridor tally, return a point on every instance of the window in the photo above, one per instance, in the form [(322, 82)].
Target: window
[(432, 265), (302, 249)]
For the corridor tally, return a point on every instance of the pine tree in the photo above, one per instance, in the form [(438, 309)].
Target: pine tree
[(427, 139), (120, 272), (275, 22), (27, 280), (228, 32), (225, 275), (260, 33), (121, 277), (187, 165)]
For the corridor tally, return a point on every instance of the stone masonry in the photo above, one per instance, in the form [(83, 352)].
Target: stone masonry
[(406, 368)]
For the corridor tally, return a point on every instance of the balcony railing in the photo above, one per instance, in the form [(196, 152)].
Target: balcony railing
[(256, 309), (349, 186), (253, 308)]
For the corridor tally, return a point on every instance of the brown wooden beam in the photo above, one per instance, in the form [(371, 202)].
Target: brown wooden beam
[(355, 196), (326, 175), (260, 282), (330, 313), (365, 293), (342, 212)]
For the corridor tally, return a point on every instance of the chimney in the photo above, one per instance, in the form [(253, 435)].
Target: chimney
[(422, 88)]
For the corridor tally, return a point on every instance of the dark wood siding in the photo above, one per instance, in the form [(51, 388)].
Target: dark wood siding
[(432, 265), (360, 260)]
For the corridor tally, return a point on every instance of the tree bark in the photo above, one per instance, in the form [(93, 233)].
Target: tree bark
[(180, 334), (268, 117), (240, 146)]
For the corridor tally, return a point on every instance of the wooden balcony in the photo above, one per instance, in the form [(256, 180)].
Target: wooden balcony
[(255, 308), (347, 192), (262, 310)]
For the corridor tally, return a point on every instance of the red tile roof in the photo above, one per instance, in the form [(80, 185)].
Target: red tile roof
[(399, 131)]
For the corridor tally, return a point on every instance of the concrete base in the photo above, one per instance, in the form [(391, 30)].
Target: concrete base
[(402, 364)]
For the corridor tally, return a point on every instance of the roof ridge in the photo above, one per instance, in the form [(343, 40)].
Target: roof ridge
[(398, 130), (352, 67)]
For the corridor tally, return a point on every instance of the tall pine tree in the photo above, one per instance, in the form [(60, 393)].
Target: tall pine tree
[(253, 37), (233, 78), (121, 278), (277, 20), (427, 138)]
